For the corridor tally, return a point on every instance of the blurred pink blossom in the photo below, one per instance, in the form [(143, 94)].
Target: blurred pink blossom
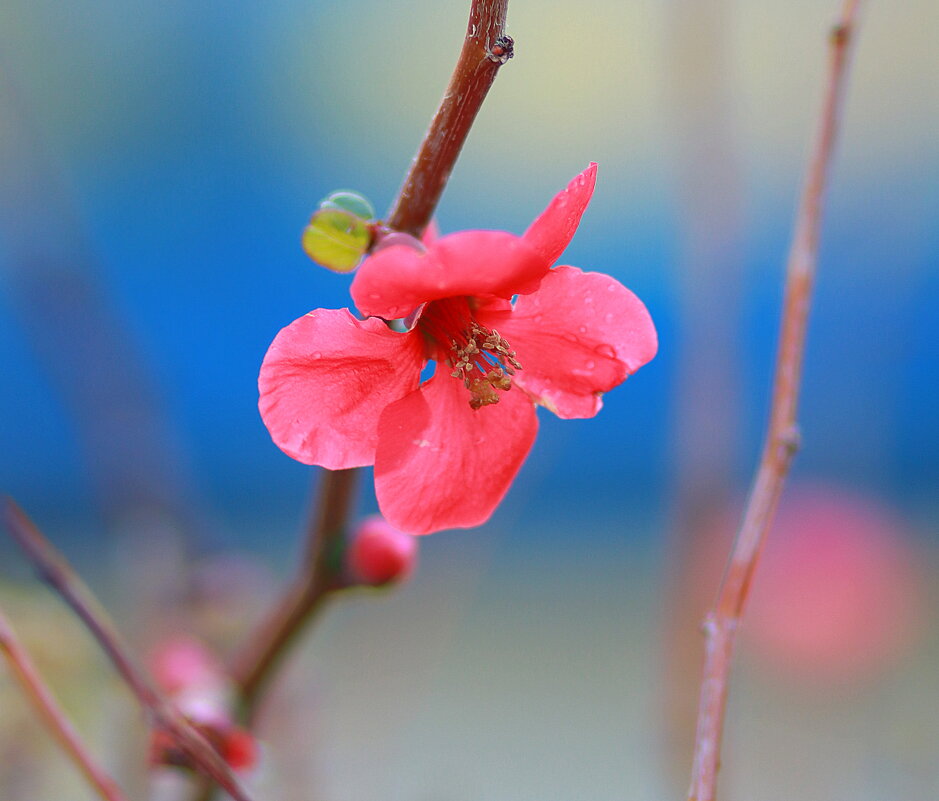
[(839, 594)]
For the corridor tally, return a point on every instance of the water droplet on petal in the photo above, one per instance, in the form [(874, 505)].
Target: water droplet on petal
[(591, 365), (606, 350), (583, 329)]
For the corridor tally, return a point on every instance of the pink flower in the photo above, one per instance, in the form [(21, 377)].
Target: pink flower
[(341, 392)]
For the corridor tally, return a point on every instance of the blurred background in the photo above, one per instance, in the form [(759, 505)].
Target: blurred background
[(157, 165)]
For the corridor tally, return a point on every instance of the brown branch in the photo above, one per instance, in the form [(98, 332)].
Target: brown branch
[(52, 714), (253, 666), (782, 436), (485, 49), (56, 572)]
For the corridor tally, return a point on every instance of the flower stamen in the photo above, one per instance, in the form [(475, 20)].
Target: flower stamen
[(480, 357), (485, 362)]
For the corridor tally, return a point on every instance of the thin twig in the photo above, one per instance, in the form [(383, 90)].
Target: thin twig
[(782, 436), (56, 572), (53, 716), (485, 49)]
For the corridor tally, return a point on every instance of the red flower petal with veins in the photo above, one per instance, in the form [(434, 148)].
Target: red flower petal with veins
[(441, 464), (325, 381), (579, 335)]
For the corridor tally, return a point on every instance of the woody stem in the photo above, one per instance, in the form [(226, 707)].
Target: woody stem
[(782, 437), (484, 51), (59, 576), (473, 76)]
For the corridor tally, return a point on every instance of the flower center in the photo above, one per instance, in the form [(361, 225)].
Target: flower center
[(481, 357)]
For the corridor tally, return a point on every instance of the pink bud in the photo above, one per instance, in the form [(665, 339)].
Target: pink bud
[(379, 554)]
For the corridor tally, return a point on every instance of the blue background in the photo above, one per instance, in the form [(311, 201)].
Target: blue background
[(158, 163)]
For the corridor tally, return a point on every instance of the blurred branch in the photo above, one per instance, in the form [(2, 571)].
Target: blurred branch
[(56, 572), (782, 436), (485, 49), (52, 714), (261, 654)]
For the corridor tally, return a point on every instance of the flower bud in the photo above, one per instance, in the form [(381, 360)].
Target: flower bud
[(181, 662), (339, 232), (336, 240), (352, 202), (196, 682), (233, 743), (239, 749), (379, 554)]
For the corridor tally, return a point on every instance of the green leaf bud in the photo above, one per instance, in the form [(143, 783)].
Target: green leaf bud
[(352, 202), (336, 239)]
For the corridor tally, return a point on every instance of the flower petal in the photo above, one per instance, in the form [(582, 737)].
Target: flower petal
[(325, 381), (392, 282), (579, 335), (440, 464), (554, 228)]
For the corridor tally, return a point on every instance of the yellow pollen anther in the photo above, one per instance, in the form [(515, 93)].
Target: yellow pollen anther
[(484, 362), (499, 380), (483, 390)]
